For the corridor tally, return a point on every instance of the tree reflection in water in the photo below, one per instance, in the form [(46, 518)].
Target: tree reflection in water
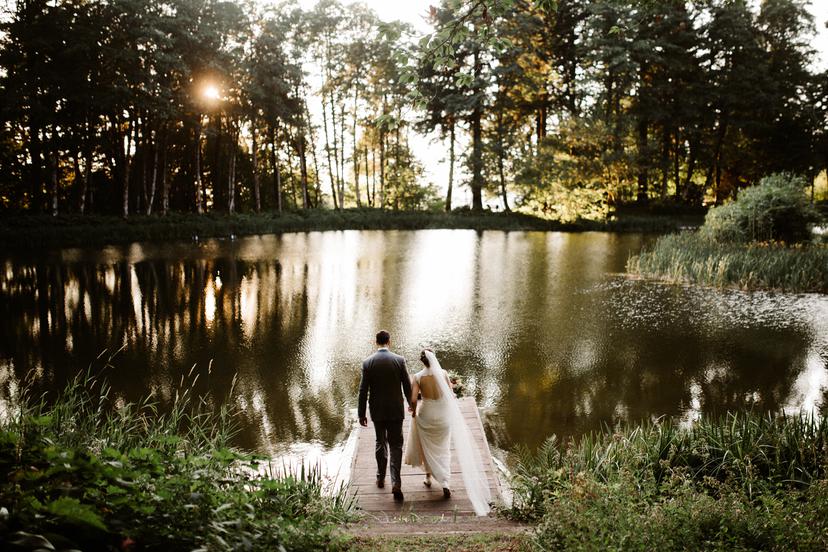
[(549, 337)]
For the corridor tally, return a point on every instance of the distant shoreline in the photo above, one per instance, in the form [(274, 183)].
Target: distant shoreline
[(22, 232)]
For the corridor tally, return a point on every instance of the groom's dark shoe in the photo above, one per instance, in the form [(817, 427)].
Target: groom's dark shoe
[(398, 495), (380, 482)]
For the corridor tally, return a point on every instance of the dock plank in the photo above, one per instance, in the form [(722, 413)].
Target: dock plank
[(418, 498)]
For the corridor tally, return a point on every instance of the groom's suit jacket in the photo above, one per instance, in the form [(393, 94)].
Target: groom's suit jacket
[(384, 375)]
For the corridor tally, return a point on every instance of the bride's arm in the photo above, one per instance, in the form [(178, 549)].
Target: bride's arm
[(415, 392)]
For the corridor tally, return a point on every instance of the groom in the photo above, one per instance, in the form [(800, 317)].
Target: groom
[(384, 384)]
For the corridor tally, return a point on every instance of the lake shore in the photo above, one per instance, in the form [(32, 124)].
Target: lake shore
[(42, 231)]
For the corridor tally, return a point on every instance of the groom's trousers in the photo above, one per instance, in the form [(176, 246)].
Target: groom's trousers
[(389, 436)]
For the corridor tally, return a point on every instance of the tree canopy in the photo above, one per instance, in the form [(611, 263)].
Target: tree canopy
[(563, 108)]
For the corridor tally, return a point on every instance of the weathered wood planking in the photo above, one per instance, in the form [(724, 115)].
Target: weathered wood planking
[(419, 499)]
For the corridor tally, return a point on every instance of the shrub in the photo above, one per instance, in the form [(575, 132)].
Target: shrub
[(741, 482), (82, 473), (775, 210)]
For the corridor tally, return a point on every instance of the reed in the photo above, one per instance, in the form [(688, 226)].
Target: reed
[(88, 473), (692, 258), (643, 485)]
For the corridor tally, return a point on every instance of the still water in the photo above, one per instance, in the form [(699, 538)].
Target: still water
[(547, 333)]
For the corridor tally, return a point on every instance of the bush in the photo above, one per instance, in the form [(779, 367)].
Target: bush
[(741, 482), (591, 515), (83, 474), (775, 210)]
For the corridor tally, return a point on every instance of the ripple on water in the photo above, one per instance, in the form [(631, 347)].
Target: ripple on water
[(638, 304)]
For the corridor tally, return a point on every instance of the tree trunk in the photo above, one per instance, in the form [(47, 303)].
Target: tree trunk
[(382, 170), (291, 174), (342, 155), (717, 158), (231, 170), (452, 140), (641, 143), (540, 124), (277, 174), (165, 186), (691, 168), (78, 182), (676, 161), (317, 180), (197, 167), (328, 152), (87, 178), (144, 159), (373, 177), (303, 168), (126, 170), (397, 183), (53, 182), (477, 137), (257, 193), (356, 148), (154, 179), (501, 173)]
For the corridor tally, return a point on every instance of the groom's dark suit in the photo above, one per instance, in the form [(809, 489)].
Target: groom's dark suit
[(384, 380)]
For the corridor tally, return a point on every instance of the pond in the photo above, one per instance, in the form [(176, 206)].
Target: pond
[(544, 328)]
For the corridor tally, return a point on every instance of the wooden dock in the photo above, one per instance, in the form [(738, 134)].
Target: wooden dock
[(419, 500)]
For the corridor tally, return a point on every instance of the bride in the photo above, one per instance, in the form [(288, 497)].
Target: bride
[(437, 423)]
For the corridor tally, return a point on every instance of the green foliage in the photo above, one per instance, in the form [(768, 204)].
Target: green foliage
[(741, 244), (93, 475), (737, 483), (777, 209), (589, 515)]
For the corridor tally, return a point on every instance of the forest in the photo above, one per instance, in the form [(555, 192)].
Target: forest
[(563, 109)]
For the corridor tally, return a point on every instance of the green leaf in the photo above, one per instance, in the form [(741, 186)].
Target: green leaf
[(72, 511)]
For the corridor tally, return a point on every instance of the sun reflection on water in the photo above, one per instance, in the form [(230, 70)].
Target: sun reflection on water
[(544, 334)]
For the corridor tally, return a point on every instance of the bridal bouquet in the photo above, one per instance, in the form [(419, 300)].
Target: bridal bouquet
[(456, 383)]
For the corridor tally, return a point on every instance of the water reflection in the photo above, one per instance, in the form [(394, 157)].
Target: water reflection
[(546, 333)]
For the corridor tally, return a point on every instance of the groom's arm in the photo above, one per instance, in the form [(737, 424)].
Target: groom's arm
[(405, 379), (363, 398)]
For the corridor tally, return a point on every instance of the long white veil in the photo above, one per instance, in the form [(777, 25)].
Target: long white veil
[(468, 457)]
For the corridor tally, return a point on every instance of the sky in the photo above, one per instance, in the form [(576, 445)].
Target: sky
[(433, 154)]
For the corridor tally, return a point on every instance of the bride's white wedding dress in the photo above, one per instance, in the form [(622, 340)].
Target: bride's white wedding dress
[(439, 423)]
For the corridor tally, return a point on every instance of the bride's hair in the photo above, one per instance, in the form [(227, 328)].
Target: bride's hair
[(424, 358)]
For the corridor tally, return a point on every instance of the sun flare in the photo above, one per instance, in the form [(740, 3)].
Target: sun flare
[(211, 92)]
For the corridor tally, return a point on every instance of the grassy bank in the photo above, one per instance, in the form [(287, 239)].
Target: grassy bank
[(762, 240), (26, 232), (737, 483), (691, 257), (86, 473)]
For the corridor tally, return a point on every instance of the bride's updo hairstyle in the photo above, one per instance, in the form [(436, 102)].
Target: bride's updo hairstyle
[(424, 358)]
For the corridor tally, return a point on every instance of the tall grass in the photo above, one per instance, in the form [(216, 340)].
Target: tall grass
[(744, 477), (690, 257), (89, 473)]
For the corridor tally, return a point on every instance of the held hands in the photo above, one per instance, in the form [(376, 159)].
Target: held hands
[(413, 410), (363, 422)]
